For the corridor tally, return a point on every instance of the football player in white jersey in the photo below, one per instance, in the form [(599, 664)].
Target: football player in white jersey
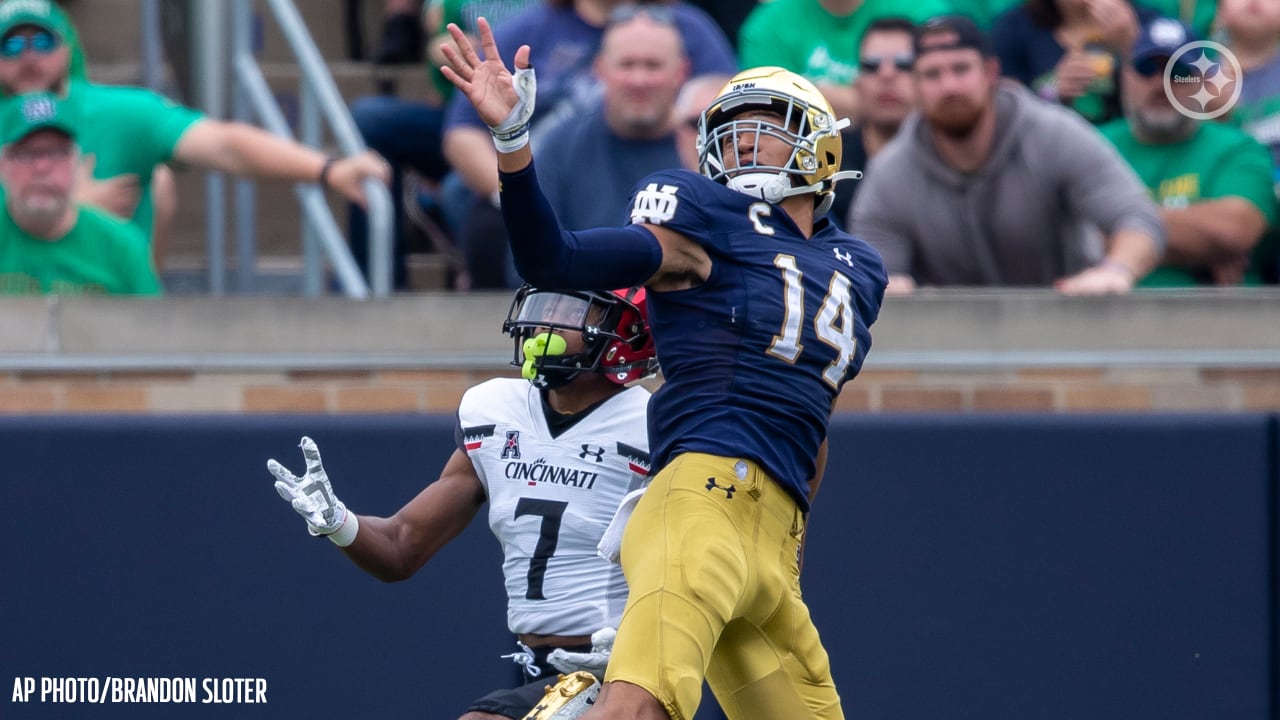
[(554, 455)]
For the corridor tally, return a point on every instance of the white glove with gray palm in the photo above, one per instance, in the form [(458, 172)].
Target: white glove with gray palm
[(312, 497), (593, 662)]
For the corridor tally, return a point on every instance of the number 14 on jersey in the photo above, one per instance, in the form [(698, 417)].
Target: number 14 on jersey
[(833, 323)]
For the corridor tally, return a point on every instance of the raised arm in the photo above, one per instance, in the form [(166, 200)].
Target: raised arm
[(545, 253)]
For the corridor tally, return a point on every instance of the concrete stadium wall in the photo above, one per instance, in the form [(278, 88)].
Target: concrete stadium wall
[(992, 566), (958, 352)]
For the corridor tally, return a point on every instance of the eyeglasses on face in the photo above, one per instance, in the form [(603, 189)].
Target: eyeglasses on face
[(872, 63), (32, 155), (41, 42), (1151, 67)]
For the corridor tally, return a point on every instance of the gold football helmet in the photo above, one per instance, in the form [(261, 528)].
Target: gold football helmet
[(808, 125)]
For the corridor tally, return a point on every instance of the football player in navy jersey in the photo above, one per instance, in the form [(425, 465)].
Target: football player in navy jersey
[(760, 309), (554, 455)]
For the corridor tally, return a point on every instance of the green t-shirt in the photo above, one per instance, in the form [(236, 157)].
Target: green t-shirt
[(1217, 161), (801, 36), (1196, 13), (129, 131), (102, 255)]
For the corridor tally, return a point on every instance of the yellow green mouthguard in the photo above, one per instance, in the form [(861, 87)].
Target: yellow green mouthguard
[(540, 346)]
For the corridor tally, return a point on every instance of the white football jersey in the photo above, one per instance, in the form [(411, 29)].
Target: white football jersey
[(550, 500)]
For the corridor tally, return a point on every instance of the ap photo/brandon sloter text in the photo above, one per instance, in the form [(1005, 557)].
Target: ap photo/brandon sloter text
[(115, 690)]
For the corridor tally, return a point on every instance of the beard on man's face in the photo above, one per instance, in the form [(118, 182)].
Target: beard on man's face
[(955, 116), (41, 205), (1162, 125)]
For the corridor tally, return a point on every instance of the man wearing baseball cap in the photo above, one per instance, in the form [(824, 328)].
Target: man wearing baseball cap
[(130, 131), (987, 185), (41, 16), (1212, 181), (48, 242)]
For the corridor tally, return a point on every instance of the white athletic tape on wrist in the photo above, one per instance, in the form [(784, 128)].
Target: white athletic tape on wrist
[(511, 143), (513, 132), (346, 534)]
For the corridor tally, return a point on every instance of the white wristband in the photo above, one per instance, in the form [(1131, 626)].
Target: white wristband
[(346, 534), (511, 143)]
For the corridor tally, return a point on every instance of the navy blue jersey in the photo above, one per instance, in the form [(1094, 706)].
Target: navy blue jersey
[(755, 356)]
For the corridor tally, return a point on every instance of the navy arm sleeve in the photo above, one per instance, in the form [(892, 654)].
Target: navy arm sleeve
[(549, 256)]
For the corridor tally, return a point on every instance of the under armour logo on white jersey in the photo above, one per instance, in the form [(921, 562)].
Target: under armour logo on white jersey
[(655, 206), (595, 452), (846, 258)]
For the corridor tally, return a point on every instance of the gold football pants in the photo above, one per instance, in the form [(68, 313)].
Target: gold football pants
[(710, 556)]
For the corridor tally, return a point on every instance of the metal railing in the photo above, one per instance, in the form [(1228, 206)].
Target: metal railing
[(320, 104)]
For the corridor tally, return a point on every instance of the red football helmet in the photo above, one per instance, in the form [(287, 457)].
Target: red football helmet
[(614, 327)]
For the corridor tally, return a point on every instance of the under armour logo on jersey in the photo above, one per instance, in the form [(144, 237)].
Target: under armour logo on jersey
[(511, 448), (655, 206), (597, 452), (846, 258), (728, 491)]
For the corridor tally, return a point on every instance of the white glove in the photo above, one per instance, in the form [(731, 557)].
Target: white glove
[(513, 132), (593, 662), (312, 497)]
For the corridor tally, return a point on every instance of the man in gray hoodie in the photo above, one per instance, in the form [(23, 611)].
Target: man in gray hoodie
[(989, 186)]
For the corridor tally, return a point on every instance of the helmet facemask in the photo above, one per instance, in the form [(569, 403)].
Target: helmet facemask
[(615, 339), (805, 123)]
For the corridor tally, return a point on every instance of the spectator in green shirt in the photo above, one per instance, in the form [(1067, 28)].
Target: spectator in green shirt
[(1212, 181), (48, 242), (130, 131), (819, 39)]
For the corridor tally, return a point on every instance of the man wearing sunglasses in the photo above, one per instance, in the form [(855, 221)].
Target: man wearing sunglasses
[(886, 95), (130, 131), (990, 186), (1212, 181), (48, 242)]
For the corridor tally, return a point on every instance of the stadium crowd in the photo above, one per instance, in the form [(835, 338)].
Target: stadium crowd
[(1050, 150)]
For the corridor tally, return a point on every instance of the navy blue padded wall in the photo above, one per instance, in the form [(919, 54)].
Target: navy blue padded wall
[(959, 566), (158, 547), (1047, 566)]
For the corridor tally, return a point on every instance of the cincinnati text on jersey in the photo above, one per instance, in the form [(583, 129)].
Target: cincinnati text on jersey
[(539, 471)]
